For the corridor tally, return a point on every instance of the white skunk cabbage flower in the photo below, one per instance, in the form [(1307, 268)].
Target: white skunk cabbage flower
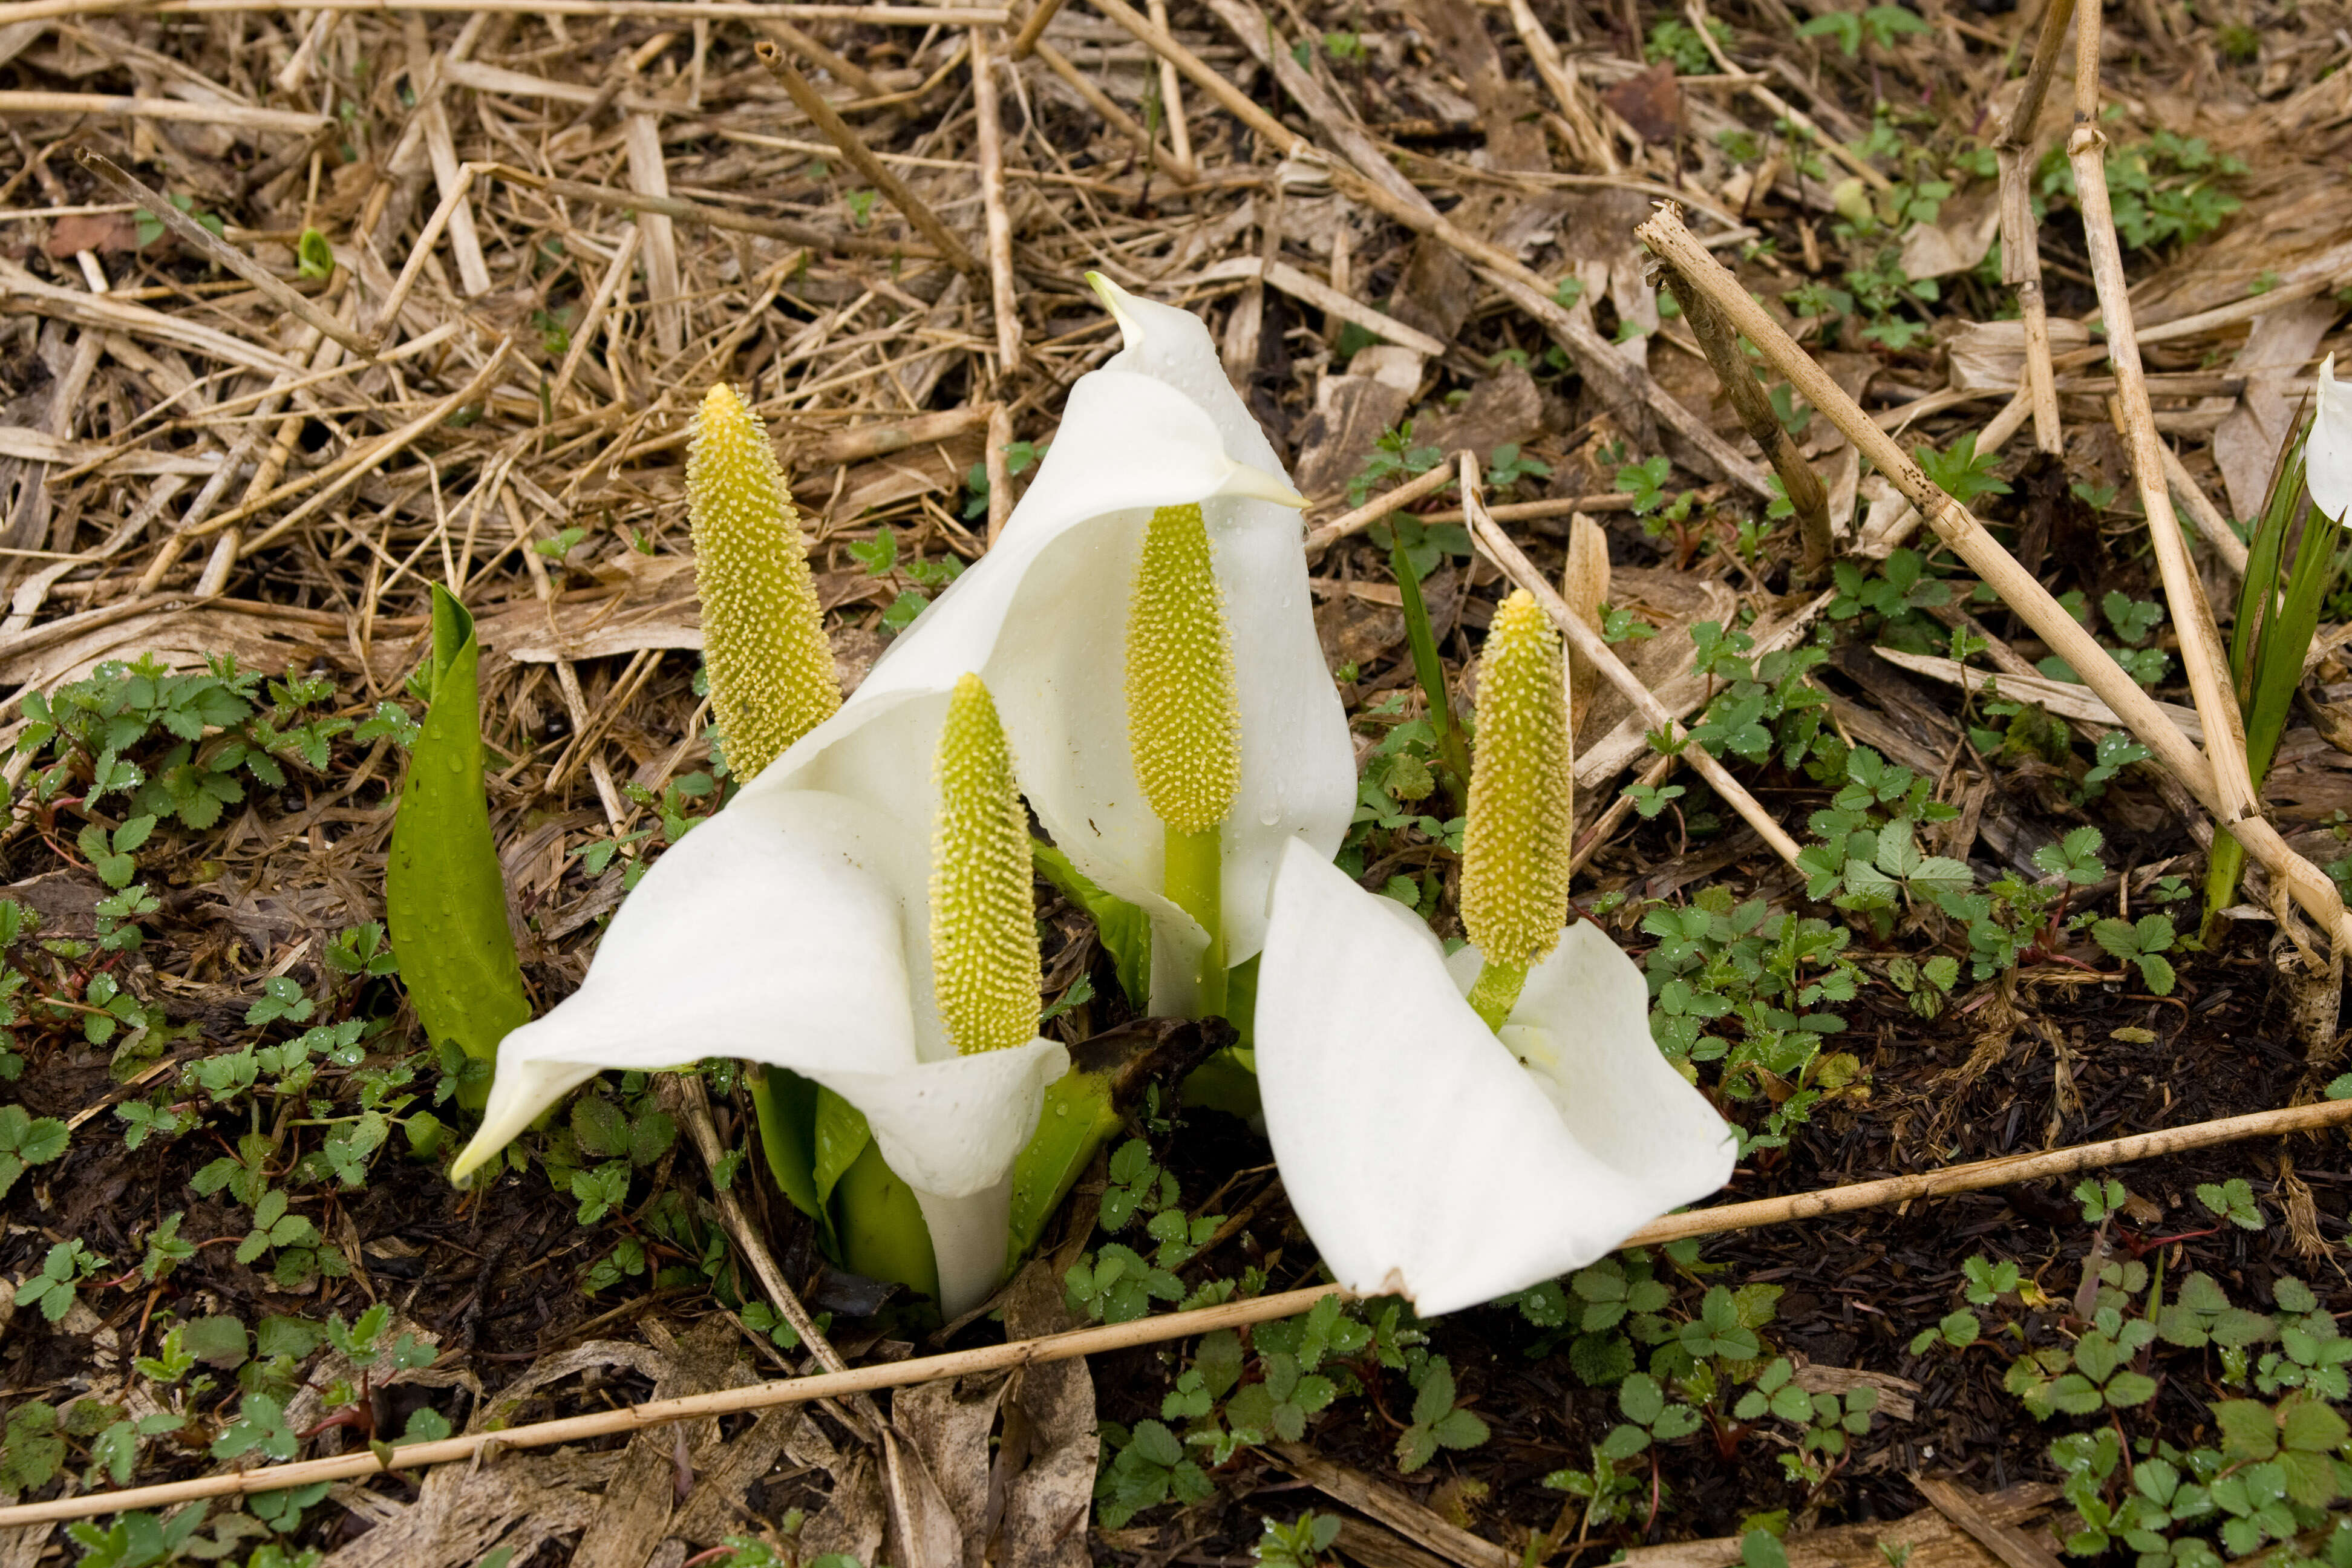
[(1433, 1157), (2328, 459), (794, 929), (1044, 619)]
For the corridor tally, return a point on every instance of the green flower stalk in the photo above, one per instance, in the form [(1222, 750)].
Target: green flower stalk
[(772, 675), (986, 971), (1514, 848), (1183, 721)]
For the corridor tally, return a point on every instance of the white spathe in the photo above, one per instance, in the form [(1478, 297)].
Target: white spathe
[(1042, 618), (1430, 1158), (793, 927), (791, 930), (2328, 461)]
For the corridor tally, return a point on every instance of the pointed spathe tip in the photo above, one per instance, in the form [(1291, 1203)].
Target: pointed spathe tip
[(522, 1089), (1259, 485), (1114, 299)]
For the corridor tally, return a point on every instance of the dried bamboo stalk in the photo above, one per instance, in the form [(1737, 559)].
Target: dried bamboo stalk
[(2210, 524), (107, 105), (1672, 242), (1324, 535), (2202, 653), (2021, 246), (1797, 482), (1489, 537), (1112, 115), (212, 247), (1973, 1177), (1040, 14), (853, 147), (465, 244), (986, 113), (1171, 97)]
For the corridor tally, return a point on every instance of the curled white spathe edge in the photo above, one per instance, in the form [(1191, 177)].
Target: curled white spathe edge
[(2328, 459), (1422, 1155), (780, 933)]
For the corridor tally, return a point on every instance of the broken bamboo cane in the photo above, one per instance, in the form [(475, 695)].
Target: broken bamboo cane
[(1672, 242), (1976, 1177)]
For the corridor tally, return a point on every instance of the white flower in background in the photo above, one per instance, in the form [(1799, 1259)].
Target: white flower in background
[(2328, 460)]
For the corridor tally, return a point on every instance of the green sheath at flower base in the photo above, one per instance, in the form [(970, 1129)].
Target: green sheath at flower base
[(1514, 848), (984, 965), (771, 674), (1183, 720)]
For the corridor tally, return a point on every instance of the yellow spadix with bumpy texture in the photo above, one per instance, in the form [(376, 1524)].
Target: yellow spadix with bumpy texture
[(984, 963), (771, 674), (1514, 848), (1184, 722)]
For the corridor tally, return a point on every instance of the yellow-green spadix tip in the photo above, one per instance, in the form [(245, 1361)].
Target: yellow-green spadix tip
[(1183, 720), (771, 674), (984, 965), (1514, 848)]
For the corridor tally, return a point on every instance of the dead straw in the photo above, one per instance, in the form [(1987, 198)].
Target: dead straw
[(2020, 243), (839, 132), (1034, 30), (2202, 655), (1489, 537), (1673, 242), (1976, 1177), (1797, 482), (988, 118)]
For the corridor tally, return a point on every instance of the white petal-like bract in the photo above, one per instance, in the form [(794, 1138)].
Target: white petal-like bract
[(1042, 618), (790, 930), (2328, 461), (1425, 1155), (792, 927)]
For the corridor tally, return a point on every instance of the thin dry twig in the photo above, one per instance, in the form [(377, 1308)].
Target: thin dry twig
[(853, 147), (2007, 1171), (1497, 546), (990, 137), (1672, 242), (2021, 243), (1041, 13), (217, 250), (1347, 523), (2202, 655)]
